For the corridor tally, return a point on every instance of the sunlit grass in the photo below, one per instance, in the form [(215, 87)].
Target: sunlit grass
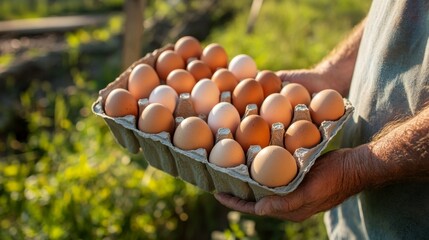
[(18, 9), (6, 59), (290, 34)]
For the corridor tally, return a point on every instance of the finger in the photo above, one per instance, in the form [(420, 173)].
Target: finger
[(287, 75), (304, 212), (308, 78), (280, 206), (235, 203)]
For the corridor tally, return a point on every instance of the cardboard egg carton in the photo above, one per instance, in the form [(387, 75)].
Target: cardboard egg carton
[(193, 166)]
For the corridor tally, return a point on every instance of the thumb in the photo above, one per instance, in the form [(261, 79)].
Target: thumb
[(297, 75), (310, 79)]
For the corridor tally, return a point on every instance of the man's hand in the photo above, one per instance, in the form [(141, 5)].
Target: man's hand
[(333, 178), (400, 153)]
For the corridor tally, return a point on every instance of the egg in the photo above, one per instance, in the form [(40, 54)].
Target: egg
[(164, 95), (181, 81), (120, 103), (193, 133), (142, 80), (215, 56), (225, 80), (253, 130), (273, 166), (227, 153), (205, 95), (167, 62), (188, 47), (199, 69), (156, 118), (276, 108), (296, 94), (243, 66), (269, 81), (326, 105), (301, 133), (248, 91), (223, 115)]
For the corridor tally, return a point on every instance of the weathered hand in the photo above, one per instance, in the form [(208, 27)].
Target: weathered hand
[(333, 178)]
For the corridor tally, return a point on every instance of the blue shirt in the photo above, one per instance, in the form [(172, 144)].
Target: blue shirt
[(390, 81)]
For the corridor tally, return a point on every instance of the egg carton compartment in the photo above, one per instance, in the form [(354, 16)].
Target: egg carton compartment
[(123, 136), (159, 155), (193, 166)]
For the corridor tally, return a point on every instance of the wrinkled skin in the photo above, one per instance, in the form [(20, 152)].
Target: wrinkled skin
[(327, 184)]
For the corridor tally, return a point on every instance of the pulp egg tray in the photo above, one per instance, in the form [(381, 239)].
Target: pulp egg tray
[(193, 166)]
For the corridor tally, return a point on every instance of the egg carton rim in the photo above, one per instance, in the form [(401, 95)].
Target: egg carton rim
[(329, 129)]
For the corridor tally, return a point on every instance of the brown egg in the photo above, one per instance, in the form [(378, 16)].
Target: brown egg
[(326, 105), (269, 81), (181, 80), (253, 130), (120, 103), (167, 62), (273, 166), (296, 94), (156, 118), (142, 80), (215, 56), (225, 80), (188, 47), (227, 153), (276, 108), (199, 70), (301, 133), (193, 133), (248, 91)]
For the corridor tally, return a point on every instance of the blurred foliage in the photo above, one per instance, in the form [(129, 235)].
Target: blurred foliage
[(62, 175), (291, 34), (13, 9)]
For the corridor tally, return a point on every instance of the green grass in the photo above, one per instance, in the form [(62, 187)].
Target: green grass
[(14, 9), (69, 179), (6, 59), (291, 34)]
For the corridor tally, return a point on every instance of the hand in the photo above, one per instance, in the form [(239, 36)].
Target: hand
[(312, 79), (333, 178)]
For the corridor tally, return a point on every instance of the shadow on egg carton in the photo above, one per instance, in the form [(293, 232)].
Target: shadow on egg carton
[(193, 166)]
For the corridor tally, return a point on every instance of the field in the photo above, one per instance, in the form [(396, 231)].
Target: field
[(62, 175)]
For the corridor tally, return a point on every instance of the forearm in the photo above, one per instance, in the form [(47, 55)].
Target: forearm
[(339, 65), (400, 154)]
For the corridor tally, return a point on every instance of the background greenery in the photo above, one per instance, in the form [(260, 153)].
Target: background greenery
[(13, 9), (62, 175)]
